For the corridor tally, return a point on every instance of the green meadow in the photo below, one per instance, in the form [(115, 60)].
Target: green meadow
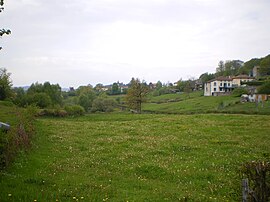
[(196, 103), (132, 157)]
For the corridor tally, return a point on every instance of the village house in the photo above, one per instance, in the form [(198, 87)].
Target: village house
[(221, 85), (224, 85), (237, 81)]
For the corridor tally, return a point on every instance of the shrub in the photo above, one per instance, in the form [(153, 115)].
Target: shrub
[(103, 105), (74, 110), (53, 112), (265, 88), (18, 137), (42, 100), (239, 91)]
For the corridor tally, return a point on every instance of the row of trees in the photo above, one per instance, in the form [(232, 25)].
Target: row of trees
[(50, 95), (229, 67), (42, 95), (236, 67)]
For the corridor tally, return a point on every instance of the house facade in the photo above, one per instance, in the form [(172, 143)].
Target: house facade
[(224, 85), (218, 86), (236, 81)]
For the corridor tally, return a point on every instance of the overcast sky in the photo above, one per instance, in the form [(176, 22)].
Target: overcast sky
[(88, 42)]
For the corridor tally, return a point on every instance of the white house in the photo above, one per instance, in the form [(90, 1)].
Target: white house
[(217, 86), (224, 85)]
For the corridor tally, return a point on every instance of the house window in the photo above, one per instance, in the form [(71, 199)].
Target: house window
[(215, 89), (229, 84), (220, 84), (215, 83)]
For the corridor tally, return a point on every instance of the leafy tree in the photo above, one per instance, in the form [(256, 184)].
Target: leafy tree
[(42, 100), (115, 89), (185, 86), (74, 110), (206, 77), (265, 88), (85, 90), (20, 97), (3, 31), (35, 88), (220, 69), (230, 67), (53, 91), (99, 88), (86, 96), (103, 104), (136, 94), (265, 66), (5, 85), (159, 85), (180, 85), (237, 92), (85, 102)]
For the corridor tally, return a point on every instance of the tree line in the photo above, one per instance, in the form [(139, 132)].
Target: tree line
[(238, 67), (83, 99)]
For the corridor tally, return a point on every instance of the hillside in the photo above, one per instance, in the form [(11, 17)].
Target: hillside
[(197, 103)]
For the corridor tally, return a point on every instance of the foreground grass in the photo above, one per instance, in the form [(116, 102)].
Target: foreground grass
[(122, 157)]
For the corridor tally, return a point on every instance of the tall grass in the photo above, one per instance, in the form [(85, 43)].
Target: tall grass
[(19, 136)]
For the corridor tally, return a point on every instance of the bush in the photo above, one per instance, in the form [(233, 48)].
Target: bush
[(53, 112), (103, 105), (42, 100), (18, 137), (74, 110), (239, 91), (265, 88)]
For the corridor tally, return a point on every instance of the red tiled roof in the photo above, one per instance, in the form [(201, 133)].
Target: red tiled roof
[(243, 77), (221, 78)]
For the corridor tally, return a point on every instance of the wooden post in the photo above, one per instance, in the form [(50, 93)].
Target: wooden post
[(245, 190)]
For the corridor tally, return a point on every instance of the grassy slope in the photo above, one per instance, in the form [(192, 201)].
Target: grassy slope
[(196, 103), (115, 157)]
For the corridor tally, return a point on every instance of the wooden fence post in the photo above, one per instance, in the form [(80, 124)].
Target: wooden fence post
[(245, 190)]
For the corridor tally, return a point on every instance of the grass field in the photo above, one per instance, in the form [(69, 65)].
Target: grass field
[(196, 103), (129, 157)]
